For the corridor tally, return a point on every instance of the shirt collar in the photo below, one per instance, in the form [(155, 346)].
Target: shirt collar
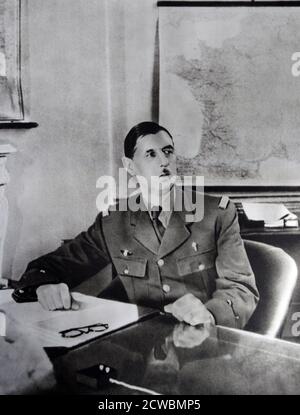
[(167, 202), (167, 205)]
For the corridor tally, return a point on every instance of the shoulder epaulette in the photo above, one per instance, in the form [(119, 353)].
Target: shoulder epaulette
[(224, 202)]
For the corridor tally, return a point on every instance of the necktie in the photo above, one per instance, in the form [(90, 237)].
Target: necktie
[(158, 226)]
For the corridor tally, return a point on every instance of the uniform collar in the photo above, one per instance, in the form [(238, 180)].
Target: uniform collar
[(182, 204), (166, 205), (177, 231)]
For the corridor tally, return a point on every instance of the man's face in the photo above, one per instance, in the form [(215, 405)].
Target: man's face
[(155, 157)]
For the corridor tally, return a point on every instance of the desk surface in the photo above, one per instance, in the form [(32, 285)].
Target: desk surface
[(171, 358)]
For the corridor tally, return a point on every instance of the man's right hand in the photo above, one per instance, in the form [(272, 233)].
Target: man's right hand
[(56, 297)]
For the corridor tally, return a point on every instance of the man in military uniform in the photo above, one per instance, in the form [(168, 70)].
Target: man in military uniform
[(197, 270)]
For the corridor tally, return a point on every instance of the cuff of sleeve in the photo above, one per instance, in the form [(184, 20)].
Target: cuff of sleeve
[(24, 295), (25, 290), (223, 312)]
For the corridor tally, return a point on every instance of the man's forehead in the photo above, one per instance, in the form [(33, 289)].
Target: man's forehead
[(153, 141)]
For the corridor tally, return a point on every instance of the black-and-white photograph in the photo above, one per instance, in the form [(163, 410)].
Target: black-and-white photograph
[(149, 200)]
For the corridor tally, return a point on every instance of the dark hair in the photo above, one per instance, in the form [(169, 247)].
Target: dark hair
[(140, 130)]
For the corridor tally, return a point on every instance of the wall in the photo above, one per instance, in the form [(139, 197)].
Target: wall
[(88, 77)]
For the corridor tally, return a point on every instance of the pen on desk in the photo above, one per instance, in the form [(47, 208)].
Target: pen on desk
[(284, 216)]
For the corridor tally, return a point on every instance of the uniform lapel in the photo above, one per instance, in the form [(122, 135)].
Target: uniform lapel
[(144, 232), (178, 230), (175, 235)]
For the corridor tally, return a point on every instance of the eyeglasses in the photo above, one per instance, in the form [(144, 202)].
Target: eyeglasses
[(78, 331)]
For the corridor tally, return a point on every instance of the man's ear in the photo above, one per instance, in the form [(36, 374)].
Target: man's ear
[(128, 165)]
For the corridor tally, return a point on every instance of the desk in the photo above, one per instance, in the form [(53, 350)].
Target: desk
[(172, 358)]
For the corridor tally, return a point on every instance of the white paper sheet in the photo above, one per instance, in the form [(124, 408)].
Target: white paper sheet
[(268, 212), (46, 325)]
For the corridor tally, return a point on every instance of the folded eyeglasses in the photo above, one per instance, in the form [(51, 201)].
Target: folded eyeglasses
[(78, 331)]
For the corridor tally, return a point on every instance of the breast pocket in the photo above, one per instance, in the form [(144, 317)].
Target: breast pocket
[(198, 272), (133, 267)]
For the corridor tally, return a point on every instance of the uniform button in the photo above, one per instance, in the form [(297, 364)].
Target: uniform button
[(160, 262), (21, 291), (126, 271), (201, 267), (166, 288)]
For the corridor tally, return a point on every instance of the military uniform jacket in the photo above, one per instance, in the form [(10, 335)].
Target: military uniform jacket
[(206, 258)]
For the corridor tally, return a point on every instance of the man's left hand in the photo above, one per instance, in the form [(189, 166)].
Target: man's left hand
[(191, 310)]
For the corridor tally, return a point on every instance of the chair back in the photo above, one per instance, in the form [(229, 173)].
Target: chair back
[(276, 275)]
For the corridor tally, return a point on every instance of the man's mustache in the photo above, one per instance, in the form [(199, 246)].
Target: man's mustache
[(165, 172)]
